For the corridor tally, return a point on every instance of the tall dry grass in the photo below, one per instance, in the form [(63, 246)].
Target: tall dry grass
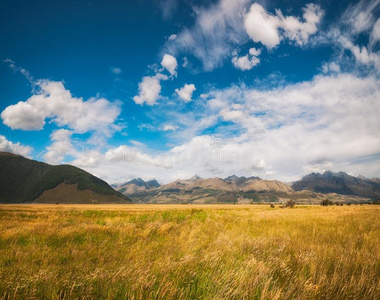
[(189, 252)]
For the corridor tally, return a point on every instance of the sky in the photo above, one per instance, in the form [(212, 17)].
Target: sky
[(167, 89)]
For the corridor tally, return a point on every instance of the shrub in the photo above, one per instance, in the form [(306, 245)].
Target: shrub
[(290, 203), (326, 202)]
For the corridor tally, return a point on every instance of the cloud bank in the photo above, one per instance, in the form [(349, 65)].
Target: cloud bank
[(53, 101)]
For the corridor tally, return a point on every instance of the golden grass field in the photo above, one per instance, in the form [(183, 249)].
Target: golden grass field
[(189, 252)]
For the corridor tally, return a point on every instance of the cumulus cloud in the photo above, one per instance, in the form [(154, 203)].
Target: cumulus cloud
[(255, 52), (263, 27), (299, 31), (53, 101), (248, 61), (15, 148), (244, 63), (61, 146), (186, 92), (150, 86), (149, 89), (169, 62), (172, 37)]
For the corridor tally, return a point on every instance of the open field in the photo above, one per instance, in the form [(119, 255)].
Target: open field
[(189, 252)]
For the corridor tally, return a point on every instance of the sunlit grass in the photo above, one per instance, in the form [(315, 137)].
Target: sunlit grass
[(188, 251)]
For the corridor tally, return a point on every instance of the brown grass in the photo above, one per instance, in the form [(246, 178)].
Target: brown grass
[(189, 252)]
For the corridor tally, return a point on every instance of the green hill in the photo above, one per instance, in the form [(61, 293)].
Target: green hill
[(24, 181)]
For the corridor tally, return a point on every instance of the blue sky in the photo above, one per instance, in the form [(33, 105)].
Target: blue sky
[(165, 89)]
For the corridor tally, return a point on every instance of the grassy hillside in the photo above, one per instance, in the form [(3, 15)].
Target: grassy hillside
[(189, 252), (24, 180)]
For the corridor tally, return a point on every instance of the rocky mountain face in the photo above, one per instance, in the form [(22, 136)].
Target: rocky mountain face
[(28, 181), (339, 183)]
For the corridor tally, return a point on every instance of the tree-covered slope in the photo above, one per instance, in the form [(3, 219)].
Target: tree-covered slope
[(24, 180)]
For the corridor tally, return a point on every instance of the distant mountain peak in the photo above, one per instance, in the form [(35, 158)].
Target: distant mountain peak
[(195, 177), (339, 183), (153, 183)]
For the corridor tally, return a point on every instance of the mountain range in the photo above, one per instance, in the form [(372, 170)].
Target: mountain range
[(340, 183), (28, 181), (135, 186), (310, 189)]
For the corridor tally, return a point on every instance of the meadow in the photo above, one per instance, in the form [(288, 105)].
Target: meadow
[(189, 252)]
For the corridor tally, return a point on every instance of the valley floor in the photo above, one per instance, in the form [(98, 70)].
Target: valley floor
[(189, 252)]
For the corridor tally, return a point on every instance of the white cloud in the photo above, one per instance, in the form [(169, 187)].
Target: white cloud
[(299, 31), (216, 31), (15, 148), (233, 115), (172, 37), (185, 62), (361, 54), (269, 29), (248, 61), (61, 147), (24, 115), (222, 26), (262, 27), (290, 128), (88, 159), (255, 52), (330, 67), (116, 71), (330, 122), (244, 63), (169, 128), (169, 62), (53, 101), (375, 34), (360, 16), (149, 89), (137, 143), (186, 92), (125, 154), (22, 71), (358, 21)]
